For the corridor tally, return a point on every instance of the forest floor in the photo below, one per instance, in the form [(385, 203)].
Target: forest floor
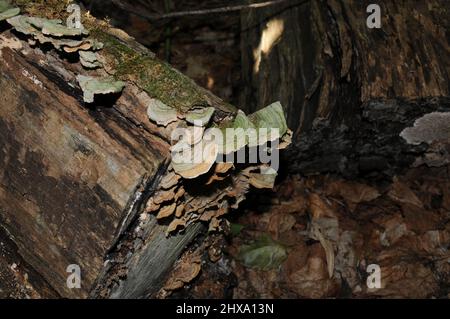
[(312, 237)]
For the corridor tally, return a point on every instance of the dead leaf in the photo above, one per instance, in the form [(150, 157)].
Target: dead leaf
[(353, 193), (280, 223), (319, 208), (400, 192), (316, 233)]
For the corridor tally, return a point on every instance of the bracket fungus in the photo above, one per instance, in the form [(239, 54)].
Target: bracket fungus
[(192, 135), (92, 86), (89, 59), (191, 162), (429, 128), (62, 38), (200, 116), (7, 10), (270, 117), (161, 113), (196, 153), (264, 179), (266, 125), (196, 158), (55, 28)]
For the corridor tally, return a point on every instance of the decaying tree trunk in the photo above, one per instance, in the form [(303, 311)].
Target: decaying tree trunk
[(73, 179), (83, 170), (348, 90), (371, 113)]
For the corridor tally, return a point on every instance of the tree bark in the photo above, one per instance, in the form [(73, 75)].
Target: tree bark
[(76, 179), (348, 91), (370, 109)]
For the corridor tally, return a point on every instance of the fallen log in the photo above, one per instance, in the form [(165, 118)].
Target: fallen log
[(87, 178)]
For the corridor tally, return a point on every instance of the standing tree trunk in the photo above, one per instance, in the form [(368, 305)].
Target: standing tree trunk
[(371, 110), (349, 91)]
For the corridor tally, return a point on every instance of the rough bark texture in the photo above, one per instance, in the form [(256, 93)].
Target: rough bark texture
[(327, 57), (353, 94), (74, 178), (345, 86)]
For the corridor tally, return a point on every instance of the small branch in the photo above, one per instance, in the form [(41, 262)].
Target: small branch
[(168, 32), (199, 12)]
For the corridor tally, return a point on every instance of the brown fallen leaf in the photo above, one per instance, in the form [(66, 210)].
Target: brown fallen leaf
[(316, 234), (319, 208), (306, 273), (400, 192), (353, 193), (280, 223)]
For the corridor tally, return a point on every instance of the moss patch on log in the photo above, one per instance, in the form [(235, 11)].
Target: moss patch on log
[(125, 63), (149, 73), (50, 9)]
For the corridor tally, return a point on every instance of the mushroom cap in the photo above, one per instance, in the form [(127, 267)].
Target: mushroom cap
[(161, 113), (92, 86), (200, 116), (193, 161)]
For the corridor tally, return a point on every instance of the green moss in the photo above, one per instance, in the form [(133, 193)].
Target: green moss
[(152, 75), (169, 86), (155, 77), (50, 9)]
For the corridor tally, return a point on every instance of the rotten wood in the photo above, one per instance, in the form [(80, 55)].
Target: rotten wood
[(76, 178), (348, 91)]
